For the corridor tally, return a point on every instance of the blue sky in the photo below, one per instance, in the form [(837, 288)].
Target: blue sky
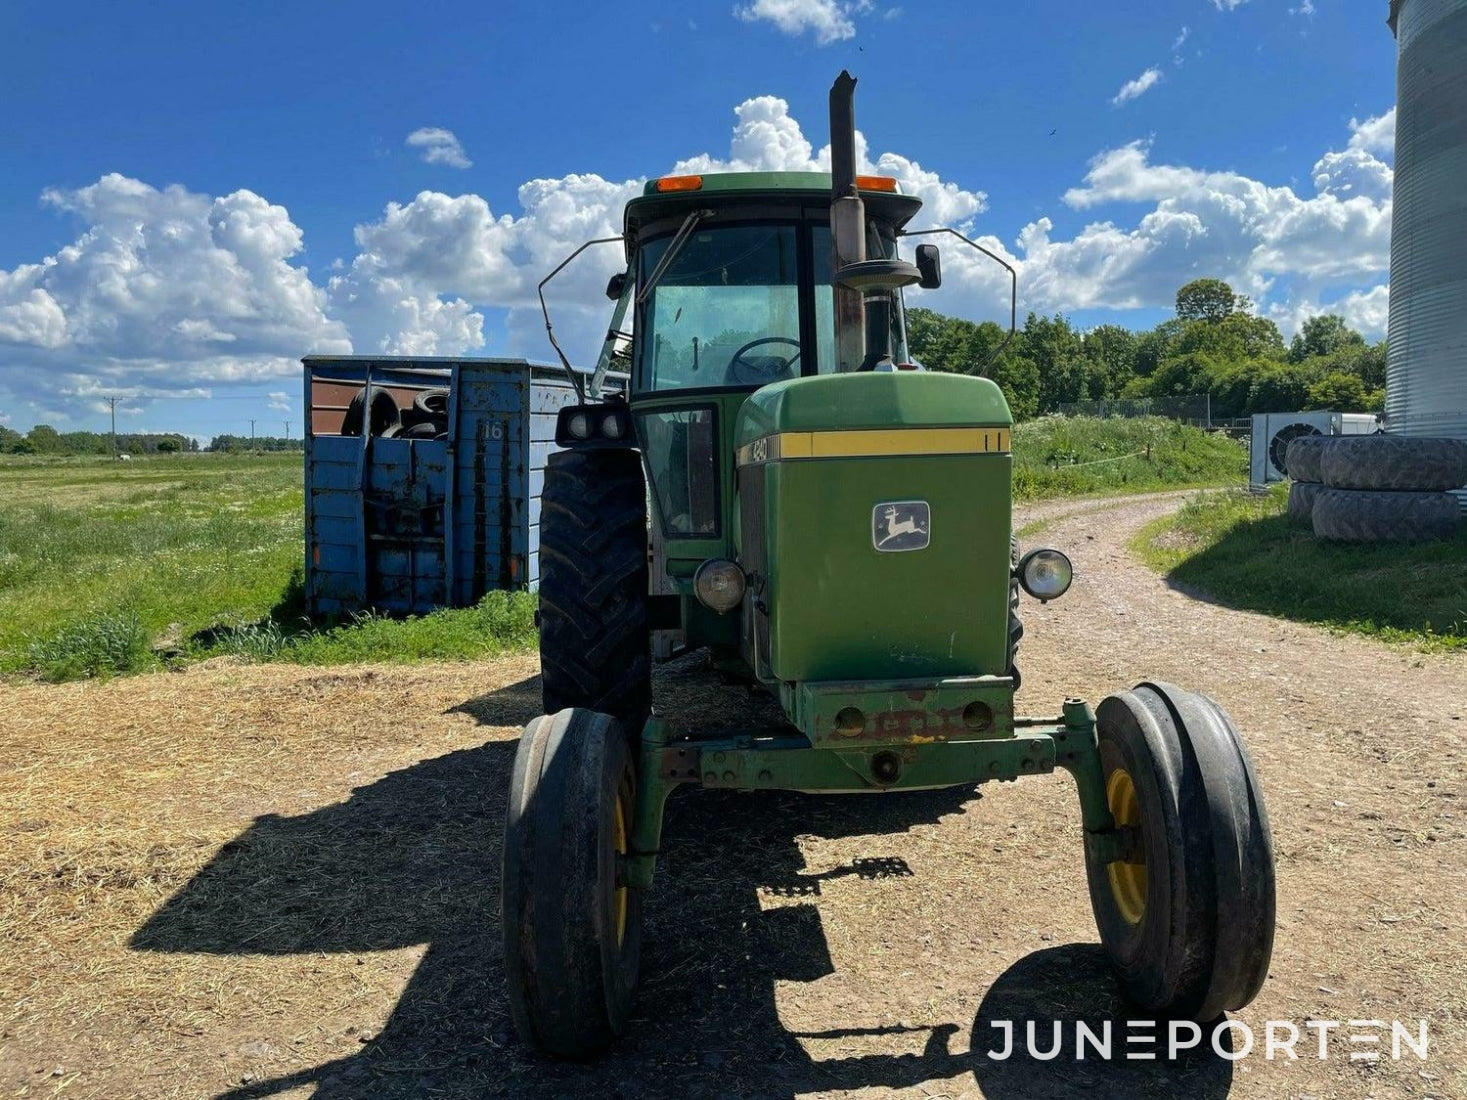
[(196, 195)]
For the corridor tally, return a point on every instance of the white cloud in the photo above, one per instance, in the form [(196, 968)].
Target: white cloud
[(1305, 9), (1366, 311), (830, 20), (1228, 5), (280, 401), (1352, 172), (1278, 246), (1375, 135), (1181, 39), (1138, 87), (439, 146), (159, 286)]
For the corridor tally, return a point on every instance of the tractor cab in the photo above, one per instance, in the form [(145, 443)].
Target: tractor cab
[(745, 295)]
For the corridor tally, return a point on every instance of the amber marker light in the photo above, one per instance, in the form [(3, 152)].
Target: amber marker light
[(876, 183), (680, 183)]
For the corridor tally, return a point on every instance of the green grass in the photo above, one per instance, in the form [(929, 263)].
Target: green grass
[(110, 567), (1058, 456), (1239, 549)]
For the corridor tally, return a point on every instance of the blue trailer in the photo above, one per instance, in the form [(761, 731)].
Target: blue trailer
[(423, 479)]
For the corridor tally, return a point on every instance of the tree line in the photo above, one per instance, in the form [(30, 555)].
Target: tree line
[(1214, 346), (43, 439), (46, 440)]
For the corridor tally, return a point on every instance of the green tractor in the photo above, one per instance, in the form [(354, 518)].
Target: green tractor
[(833, 525)]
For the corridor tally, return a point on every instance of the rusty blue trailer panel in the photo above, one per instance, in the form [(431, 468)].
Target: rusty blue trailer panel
[(411, 520)]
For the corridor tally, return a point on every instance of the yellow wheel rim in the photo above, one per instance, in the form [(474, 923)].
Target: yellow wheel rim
[(619, 839), (1127, 880)]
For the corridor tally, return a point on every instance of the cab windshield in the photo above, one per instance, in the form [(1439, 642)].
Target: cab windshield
[(732, 309)]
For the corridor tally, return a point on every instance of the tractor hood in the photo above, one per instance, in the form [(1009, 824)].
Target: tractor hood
[(874, 527)]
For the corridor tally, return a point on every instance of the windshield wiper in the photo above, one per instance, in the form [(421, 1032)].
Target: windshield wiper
[(669, 254)]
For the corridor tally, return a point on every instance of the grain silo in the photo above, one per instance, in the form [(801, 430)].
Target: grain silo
[(1426, 372)]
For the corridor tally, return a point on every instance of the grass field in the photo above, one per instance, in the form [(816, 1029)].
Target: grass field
[(116, 567), (1239, 549), (109, 567), (1058, 456)]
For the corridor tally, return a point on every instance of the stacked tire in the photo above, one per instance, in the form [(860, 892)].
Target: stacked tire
[(1301, 460), (1383, 488), (377, 413)]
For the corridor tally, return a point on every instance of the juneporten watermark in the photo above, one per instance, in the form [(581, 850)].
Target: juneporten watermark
[(1233, 1040)]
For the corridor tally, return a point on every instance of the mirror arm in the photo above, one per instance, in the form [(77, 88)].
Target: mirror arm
[(570, 373), (603, 361), (1013, 290)]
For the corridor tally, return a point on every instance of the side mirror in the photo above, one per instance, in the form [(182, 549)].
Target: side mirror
[(929, 263), (618, 283)]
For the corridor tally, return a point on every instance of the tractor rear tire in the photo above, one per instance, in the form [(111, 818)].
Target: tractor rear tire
[(1394, 463), (572, 928), (1302, 495), (595, 648), (1301, 458), (1189, 930), (1351, 515)]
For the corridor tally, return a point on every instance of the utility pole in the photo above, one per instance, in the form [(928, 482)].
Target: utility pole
[(252, 437), (287, 431), (112, 403)]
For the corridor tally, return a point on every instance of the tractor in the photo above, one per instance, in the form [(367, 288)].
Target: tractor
[(774, 481)]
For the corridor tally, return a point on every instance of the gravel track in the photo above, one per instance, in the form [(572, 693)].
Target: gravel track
[(266, 880)]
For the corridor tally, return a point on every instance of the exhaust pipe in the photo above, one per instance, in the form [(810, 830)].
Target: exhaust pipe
[(847, 223)]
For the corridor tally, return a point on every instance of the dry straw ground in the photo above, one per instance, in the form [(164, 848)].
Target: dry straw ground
[(261, 881)]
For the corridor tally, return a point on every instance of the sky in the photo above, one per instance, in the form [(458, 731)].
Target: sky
[(196, 195)]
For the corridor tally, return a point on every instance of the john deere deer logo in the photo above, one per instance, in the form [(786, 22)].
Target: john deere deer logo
[(901, 525)]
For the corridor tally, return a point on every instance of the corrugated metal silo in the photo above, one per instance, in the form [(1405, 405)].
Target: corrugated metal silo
[(1426, 372)]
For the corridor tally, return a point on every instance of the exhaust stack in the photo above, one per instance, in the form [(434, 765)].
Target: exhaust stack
[(847, 223)]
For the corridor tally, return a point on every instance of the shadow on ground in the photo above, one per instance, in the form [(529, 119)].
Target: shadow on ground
[(414, 859), (287, 618), (1415, 587)]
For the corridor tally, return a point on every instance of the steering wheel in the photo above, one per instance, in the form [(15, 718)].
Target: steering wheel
[(743, 372)]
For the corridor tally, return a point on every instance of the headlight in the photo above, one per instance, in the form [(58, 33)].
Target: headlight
[(612, 426), (719, 584), (579, 426), (1045, 574)]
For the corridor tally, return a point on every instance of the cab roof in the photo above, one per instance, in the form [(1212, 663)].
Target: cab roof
[(721, 189)]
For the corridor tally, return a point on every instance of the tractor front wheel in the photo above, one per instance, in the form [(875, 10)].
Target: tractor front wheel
[(572, 927), (1187, 915)]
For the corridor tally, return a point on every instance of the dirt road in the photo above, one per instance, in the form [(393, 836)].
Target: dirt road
[(271, 881)]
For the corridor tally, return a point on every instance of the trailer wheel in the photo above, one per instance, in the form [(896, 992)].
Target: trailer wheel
[(1188, 918), (595, 648), (572, 929)]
